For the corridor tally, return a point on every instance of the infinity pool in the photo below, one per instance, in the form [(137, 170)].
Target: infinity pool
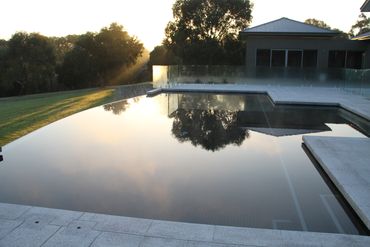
[(215, 159)]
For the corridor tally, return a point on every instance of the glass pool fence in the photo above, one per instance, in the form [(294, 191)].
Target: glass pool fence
[(355, 81)]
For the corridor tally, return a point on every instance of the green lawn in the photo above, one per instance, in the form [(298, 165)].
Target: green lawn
[(22, 115)]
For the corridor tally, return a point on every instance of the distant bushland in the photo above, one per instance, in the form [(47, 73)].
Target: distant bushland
[(33, 63)]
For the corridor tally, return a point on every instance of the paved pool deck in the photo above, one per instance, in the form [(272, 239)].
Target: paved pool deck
[(35, 226)]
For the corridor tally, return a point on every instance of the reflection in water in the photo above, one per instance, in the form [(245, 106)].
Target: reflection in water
[(212, 129), (207, 120), (214, 121), (131, 164), (117, 107)]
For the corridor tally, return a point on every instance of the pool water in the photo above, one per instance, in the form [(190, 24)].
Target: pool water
[(233, 160)]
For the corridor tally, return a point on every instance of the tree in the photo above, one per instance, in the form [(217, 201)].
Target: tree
[(4, 87), (63, 45), (116, 49), (361, 26), (29, 64), (202, 28), (96, 57), (317, 23), (162, 56), (322, 24), (78, 69)]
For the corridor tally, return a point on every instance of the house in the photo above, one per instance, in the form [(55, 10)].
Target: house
[(366, 6), (286, 43), (365, 36)]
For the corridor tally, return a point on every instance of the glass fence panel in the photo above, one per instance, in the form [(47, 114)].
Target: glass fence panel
[(356, 81)]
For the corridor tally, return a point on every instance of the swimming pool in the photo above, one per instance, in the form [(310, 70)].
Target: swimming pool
[(205, 158)]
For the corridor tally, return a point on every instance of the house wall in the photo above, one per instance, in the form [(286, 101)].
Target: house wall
[(367, 56), (322, 45)]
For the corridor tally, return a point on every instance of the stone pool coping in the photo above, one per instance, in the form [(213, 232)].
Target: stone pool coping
[(35, 226), (347, 163)]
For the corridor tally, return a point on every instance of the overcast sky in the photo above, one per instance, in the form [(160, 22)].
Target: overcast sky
[(147, 18)]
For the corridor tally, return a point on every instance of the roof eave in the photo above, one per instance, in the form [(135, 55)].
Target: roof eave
[(300, 34)]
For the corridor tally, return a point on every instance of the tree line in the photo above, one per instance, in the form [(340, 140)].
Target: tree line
[(33, 63)]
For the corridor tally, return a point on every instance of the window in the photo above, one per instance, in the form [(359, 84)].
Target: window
[(263, 57), (309, 58), (286, 58), (354, 60), (278, 58), (294, 59), (337, 59)]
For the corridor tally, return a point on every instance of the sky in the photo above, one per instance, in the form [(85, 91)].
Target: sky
[(147, 19)]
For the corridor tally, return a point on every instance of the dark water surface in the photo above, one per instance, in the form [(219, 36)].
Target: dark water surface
[(215, 159)]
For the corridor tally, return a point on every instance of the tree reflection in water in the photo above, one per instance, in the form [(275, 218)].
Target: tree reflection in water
[(117, 107), (120, 106), (212, 129)]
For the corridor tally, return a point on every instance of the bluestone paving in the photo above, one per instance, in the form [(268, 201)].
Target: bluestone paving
[(30, 233), (37, 230), (78, 233), (6, 226), (179, 230), (345, 160), (118, 223), (11, 211), (247, 236), (112, 239), (208, 244), (59, 217), (162, 242)]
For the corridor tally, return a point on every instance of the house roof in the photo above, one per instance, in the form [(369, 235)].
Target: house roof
[(366, 6), (364, 36), (285, 26)]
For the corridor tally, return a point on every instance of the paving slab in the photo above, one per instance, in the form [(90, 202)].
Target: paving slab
[(6, 226), (345, 159), (118, 224), (111, 239), (107, 230), (247, 236), (208, 244), (12, 211), (78, 233), (59, 217), (179, 230), (162, 242), (30, 233)]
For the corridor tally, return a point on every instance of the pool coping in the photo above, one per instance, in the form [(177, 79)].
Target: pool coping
[(347, 167), (36, 226)]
